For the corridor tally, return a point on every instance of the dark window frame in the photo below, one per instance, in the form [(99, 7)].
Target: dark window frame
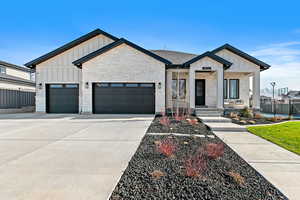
[(177, 88), (225, 88), (237, 89)]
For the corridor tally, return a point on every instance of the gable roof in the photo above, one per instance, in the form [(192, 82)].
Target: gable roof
[(6, 64), (263, 65), (110, 46), (175, 57), (68, 46), (209, 54)]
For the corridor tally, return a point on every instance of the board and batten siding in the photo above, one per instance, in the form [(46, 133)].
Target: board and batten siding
[(60, 69)]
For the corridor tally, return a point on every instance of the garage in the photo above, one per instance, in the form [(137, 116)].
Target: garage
[(62, 98), (123, 98)]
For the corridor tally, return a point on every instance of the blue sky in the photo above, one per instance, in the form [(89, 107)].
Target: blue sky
[(269, 30)]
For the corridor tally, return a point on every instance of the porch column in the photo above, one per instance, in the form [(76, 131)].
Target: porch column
[(256, 90), (169, 89), (192, 88), (220, 82)]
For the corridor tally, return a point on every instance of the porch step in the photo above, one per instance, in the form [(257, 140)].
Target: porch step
[(208, 109), (226, 127), (215, 119), (208, 113)]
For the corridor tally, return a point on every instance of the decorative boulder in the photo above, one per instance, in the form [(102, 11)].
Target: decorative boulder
[(251, 122), (243, 122)]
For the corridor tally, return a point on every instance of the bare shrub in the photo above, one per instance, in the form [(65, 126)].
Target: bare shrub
[(195, 165), (166, 147), (157, 174), (214, 150), (237, 178), (164, 120)]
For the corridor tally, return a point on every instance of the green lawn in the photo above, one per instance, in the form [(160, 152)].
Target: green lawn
[(286, 135)]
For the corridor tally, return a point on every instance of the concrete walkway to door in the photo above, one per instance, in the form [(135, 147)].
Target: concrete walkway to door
[(277, 165), (69, 157)]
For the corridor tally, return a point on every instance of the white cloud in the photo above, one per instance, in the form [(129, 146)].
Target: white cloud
[(284, 59)]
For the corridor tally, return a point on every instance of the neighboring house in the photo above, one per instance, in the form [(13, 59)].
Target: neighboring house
[(14, 77), (100, 73), (291, 95)]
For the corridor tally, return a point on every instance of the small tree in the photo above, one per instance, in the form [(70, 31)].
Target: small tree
[(164, 120)]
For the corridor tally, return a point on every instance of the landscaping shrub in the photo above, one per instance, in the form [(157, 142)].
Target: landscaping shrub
[(214, 150), (164, 120), (233, 115), (196, 165), (166, 147), (275, 119), (179, 116), (246, 112), (237, 178), (192, 121), (157, 174), (258, 116)]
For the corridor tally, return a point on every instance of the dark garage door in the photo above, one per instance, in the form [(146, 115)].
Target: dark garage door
[(124, 98), (62, 98)]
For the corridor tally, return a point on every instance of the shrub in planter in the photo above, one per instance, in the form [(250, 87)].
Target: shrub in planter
[(192, 121), (164, 120), (233, 115), (157, 174), (195, 165), (237, 178), (166, 147), (214, 150), (246, 112), (258, 116)]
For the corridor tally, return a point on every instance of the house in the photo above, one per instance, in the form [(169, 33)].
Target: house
[(17, 90), (291, 95), (15, 77), (100, 73)]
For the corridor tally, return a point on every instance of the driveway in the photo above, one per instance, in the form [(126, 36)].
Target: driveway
[(66, 157)]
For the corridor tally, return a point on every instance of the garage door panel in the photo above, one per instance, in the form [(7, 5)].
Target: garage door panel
[(62, 99), (130, 98)]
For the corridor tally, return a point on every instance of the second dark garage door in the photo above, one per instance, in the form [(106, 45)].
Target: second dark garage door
[(123, 98)]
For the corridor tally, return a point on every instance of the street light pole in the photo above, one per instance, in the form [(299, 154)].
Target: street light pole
[(273, 84)]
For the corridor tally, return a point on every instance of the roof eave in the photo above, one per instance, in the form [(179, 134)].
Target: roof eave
[(33, 63), (110, 46)]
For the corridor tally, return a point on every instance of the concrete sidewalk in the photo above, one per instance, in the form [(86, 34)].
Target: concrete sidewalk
[(277, 165), (69, 157)]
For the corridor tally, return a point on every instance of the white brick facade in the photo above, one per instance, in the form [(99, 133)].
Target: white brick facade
[(126, 64)]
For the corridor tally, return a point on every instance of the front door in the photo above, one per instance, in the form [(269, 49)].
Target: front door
[(200, 92)]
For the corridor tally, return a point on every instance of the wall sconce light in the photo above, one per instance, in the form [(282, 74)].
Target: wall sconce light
[(86, 85), (159, 85), (40, 86)]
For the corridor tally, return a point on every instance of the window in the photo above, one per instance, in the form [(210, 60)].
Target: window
[(132, 85), (146, 85), (2, 70), (225, 89), (234, 89), (56, 86), (32, 76), (102, 85), (71, 86), (179, 88), (116, 85)]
